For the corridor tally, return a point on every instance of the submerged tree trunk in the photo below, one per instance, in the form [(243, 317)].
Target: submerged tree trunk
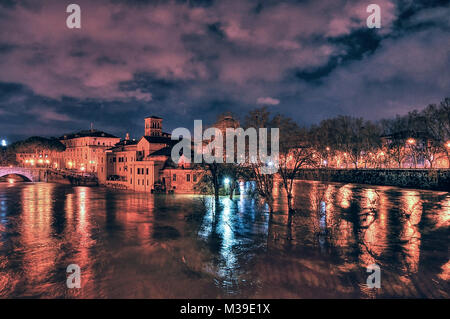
[(232, 187), (216, 193), (269, 202), (289, 227), (290, 199), (216, 187)]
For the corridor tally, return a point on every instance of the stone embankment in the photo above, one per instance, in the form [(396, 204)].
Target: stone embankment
[(433, 179)]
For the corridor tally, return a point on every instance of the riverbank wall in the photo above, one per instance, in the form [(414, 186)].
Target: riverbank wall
[(432, 179)]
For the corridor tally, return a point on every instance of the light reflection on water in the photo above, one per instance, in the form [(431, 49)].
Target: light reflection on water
[(165, 246)]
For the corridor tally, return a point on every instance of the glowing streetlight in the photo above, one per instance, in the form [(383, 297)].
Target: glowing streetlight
[(4, 144), (448, 144), (411, 141), (226, 181)]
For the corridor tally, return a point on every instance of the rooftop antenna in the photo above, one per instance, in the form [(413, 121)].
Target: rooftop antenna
[(92, 127)]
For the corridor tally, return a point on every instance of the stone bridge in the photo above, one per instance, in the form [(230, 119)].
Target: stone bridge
[(30, 174)]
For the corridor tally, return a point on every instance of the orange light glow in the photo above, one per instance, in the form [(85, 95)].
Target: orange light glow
[(411, 141)]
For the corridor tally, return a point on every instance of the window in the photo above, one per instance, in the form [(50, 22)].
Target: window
[(147, 171), (195, 177), (174, 177), (188, 178)]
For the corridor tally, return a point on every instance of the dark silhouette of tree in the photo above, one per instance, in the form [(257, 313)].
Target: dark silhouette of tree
[(296, 152), (260, 118)]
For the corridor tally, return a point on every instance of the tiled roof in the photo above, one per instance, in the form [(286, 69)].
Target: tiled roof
[(154, 117), (166, 151), (87, 133), (159, 139)]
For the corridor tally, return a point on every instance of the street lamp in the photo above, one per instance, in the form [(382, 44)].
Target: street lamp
[(226, 181), (4, 143), (411, 141), (448, 144)]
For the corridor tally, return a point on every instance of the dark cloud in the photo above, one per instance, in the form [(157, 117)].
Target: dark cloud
[(184, 60)]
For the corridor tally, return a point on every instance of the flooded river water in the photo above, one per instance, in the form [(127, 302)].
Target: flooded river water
[(135, 245)]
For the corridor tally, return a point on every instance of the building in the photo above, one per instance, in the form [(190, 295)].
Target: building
[(39, 151), (40, 158), (145, 165), (85, 148)]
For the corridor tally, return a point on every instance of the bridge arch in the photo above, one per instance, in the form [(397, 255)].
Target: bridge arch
[(24, 173)]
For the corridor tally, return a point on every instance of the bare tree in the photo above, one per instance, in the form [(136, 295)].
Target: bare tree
[(296, 152), (260, 118)]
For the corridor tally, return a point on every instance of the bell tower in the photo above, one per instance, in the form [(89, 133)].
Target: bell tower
[(153, 126)]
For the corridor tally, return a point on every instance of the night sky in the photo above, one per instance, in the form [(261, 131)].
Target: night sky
[(186, 60)]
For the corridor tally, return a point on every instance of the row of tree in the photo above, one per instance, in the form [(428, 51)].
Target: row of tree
[(32, 145), (386, 143)]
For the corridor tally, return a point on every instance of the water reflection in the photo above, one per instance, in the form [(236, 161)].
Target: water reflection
[(165, 246)]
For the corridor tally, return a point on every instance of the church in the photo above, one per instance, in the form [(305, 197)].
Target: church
[(145, 165)]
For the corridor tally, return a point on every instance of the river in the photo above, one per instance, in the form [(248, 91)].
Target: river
[(135, 245)]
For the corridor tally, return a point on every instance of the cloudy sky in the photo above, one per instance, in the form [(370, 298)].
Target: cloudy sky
[(186, 60)]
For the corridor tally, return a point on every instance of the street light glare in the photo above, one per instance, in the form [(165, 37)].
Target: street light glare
[(4, 144)]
